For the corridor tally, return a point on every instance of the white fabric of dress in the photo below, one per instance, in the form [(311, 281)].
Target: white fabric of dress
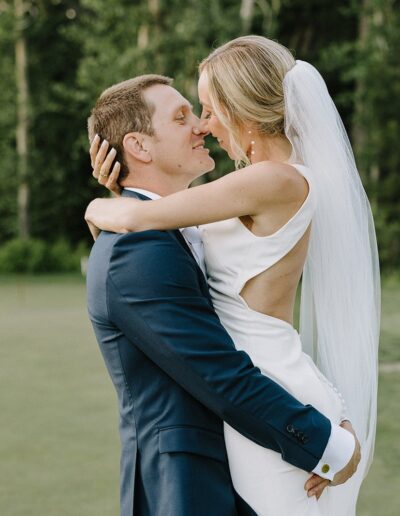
[(233, 256)]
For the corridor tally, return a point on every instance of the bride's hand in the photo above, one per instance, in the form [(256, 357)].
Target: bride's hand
[(348, 471), (115, 215), (102, 160), (315, 485)]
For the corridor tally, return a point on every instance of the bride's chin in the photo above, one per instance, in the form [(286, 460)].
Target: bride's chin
[(229, 152)]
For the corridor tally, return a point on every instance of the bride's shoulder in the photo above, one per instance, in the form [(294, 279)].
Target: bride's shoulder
[(282, 180)]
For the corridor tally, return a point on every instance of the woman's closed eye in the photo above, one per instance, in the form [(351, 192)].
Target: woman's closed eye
[(206, 115)]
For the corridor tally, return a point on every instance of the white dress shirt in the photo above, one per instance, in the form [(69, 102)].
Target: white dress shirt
[(341, 443)]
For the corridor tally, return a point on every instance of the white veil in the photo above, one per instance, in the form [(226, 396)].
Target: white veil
[(340, 298)]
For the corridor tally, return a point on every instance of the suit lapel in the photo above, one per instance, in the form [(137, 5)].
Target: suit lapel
[(202, 280), (175, 233)]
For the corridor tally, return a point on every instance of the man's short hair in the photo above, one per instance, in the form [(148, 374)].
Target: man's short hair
[(122, 109)]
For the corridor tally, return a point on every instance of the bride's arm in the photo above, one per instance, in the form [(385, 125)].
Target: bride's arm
[(243, 192)]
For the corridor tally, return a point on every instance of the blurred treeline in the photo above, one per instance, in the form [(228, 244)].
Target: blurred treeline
[(58, 55)]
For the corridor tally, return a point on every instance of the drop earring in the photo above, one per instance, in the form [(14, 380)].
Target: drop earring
[(252, 143)]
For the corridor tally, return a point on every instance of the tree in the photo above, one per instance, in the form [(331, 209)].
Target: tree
[(77, 48), (22, 117), (8, 118)]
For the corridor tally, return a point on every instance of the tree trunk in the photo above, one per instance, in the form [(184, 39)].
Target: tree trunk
[(143, 36), (370, 39), (246, 14), (22, 120), (155, 34), (270, 11)]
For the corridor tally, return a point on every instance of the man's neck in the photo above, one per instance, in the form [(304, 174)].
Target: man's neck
[(158, 188)]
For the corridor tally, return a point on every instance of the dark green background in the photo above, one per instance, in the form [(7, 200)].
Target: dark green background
[(77, 48)]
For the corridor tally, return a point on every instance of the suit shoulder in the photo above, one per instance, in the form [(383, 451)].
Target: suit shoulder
[(147, 243), (154, 257), (149, 236)]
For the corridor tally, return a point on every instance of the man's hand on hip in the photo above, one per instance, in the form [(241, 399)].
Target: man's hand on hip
[(315, 485)]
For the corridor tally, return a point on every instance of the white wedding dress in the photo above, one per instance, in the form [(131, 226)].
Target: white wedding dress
[(233, 256)]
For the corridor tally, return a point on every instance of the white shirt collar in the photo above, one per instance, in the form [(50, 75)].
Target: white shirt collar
[(153, 196)]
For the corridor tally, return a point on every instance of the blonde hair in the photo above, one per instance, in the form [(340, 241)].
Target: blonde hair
[(245, 83)]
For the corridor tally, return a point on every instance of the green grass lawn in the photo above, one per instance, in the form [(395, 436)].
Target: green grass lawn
[(59, 448)]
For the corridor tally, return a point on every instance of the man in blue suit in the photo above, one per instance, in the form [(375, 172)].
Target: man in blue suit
[(175, 369)]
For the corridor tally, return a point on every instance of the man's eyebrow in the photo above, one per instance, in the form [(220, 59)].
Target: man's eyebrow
[(184, 105)]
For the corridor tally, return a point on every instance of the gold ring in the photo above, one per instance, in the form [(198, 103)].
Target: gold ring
[(103, 175)]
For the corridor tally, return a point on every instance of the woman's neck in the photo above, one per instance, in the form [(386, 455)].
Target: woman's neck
[(269, 148)]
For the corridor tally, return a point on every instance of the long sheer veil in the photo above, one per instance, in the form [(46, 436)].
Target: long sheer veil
[(340, 297)]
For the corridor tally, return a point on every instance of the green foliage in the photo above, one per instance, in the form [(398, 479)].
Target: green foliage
[(23, 256), (62, 258), (76, 48), (35, 256), (388, 231)]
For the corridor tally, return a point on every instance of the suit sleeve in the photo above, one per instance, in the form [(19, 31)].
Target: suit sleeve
[(154, 298)]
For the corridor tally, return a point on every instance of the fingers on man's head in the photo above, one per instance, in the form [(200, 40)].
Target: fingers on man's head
[(94, 147), (105, 165), (99, 158), (112, 183)]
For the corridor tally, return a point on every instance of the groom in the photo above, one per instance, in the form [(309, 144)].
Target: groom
[(175, 369)]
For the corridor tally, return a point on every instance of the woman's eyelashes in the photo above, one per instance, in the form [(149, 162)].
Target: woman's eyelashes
[(205, 115)]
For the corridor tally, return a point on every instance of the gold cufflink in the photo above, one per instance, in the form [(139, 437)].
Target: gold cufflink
[(325, 468)]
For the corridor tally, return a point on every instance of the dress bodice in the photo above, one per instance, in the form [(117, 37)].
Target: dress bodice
[(234, 254)]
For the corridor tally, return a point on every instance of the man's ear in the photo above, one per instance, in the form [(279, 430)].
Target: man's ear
[(135, 146)]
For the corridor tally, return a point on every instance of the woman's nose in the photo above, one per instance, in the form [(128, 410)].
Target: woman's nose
[(201, 128)]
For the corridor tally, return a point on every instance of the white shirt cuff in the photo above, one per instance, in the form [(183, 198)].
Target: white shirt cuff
[(337, 454)]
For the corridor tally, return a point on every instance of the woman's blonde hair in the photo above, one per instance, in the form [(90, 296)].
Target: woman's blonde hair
[(245, 83)]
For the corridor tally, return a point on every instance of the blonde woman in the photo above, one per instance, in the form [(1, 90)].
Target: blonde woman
[(296, 208)]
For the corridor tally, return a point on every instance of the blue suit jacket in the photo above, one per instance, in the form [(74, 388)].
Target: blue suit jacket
[(178, 375)]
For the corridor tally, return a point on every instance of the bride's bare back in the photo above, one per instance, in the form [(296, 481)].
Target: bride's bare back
[(273, 291)]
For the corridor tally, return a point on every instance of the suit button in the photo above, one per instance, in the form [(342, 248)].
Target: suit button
[(325, 468)]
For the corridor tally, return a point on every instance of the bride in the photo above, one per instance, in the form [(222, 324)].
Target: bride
[(296, 208)]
